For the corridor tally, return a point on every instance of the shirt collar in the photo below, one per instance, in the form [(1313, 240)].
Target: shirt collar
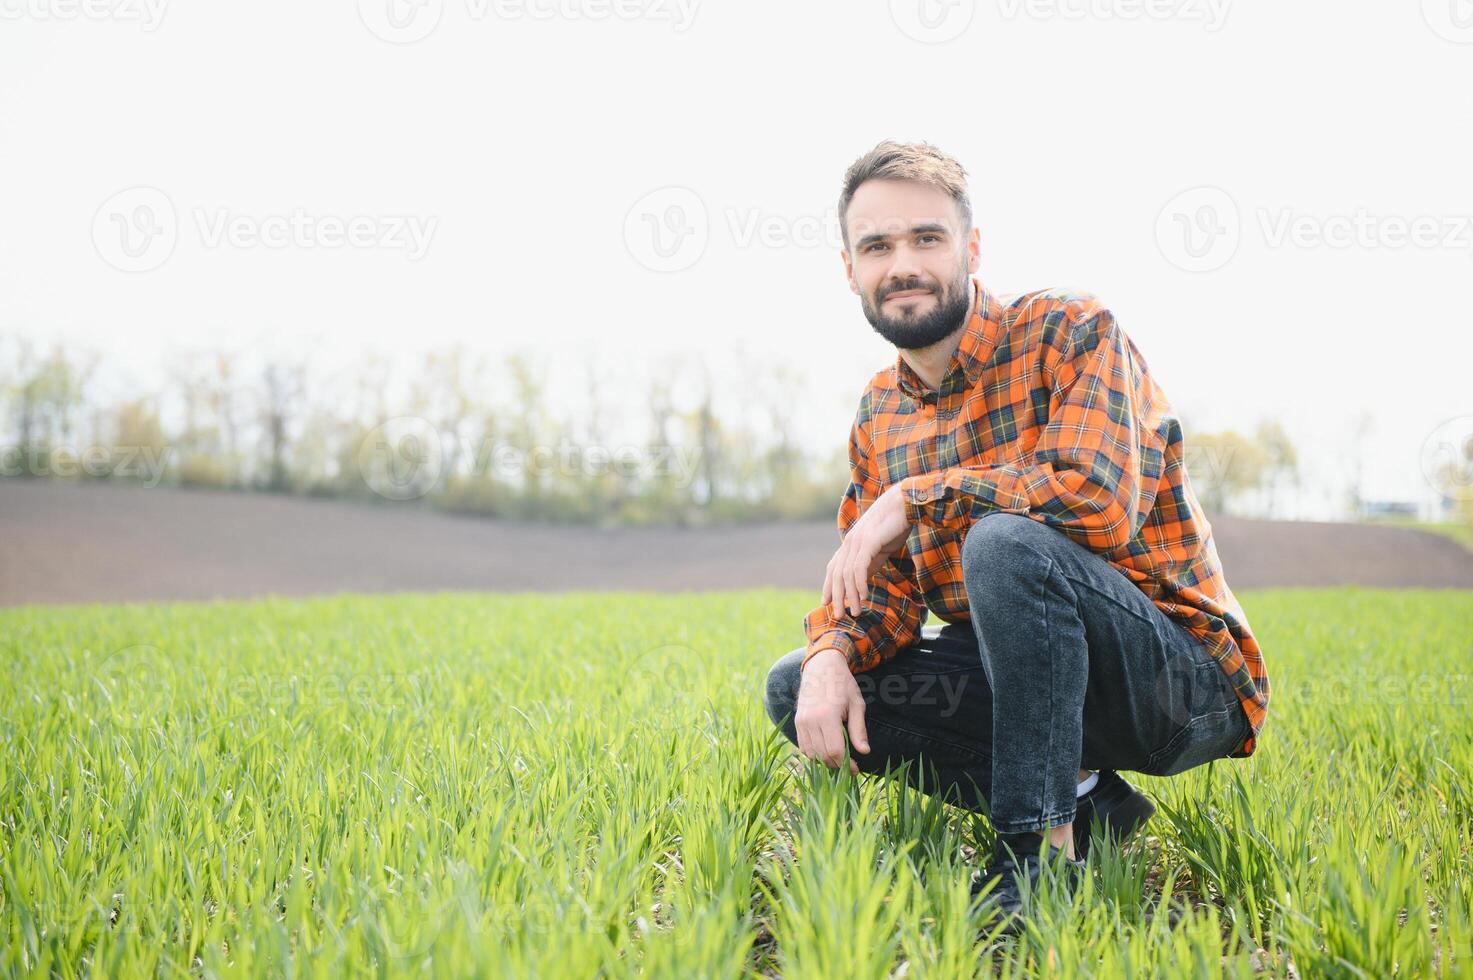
[(972, 351)]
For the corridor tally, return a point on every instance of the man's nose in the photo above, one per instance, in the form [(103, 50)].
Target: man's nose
[(905, 265)]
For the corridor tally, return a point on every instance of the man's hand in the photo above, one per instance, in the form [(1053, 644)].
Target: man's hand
[(828, 700), (879, 533)]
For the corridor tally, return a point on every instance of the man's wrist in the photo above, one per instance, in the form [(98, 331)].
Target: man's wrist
[(827, 679), (831, 638)]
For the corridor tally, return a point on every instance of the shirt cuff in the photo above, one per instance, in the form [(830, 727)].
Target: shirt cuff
[(946, 498), (832, 640), (926, 499)]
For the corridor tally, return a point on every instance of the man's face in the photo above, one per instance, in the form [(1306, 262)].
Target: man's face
[(910, 261)]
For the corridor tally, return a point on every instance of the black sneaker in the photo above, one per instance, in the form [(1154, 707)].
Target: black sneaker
[(1016, 857), (1114, 806)]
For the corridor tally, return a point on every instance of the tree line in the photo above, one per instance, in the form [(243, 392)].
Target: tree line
[(459, 431), (449, 429)]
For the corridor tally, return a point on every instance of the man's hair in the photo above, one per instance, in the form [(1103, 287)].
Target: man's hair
[(920, 162)]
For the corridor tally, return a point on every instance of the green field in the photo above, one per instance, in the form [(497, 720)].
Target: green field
[(581, 784), (1459, 532)]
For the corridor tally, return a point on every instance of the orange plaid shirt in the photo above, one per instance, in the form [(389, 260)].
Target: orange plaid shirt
[(1047, 410)]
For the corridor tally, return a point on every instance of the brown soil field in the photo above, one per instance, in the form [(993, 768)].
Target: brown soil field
[(65, 543)]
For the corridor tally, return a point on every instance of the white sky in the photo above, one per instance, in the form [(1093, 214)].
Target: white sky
[(525, 139)]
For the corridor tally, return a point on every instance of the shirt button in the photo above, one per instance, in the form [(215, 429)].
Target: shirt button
[(922, 496)]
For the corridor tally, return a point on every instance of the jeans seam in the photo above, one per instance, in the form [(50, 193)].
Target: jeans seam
[(1053, 680), (1051, 819), (1111, 600), (1159, 754)]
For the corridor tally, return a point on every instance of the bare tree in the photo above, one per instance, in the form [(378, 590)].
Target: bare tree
[(1222, 465), (46, 397), (1360, 432), (1281, 461), (282, 393)]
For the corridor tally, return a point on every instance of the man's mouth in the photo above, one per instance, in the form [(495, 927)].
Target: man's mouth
[(908, 294)]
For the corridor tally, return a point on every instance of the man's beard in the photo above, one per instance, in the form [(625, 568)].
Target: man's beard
[(909, 331)]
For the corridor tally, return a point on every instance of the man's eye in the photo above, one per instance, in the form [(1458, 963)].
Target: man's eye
[(873, 247), (933, 237)]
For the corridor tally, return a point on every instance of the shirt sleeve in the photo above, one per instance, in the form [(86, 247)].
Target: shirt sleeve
[(1094, 470), (892, 616)]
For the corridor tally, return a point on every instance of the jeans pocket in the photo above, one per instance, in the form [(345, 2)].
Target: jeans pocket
[(1207, 717)]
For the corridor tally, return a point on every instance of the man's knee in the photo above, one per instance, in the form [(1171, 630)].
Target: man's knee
[(781, 695), (1000, 543)]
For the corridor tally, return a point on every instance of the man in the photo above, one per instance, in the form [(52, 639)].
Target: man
[(1019, 473)]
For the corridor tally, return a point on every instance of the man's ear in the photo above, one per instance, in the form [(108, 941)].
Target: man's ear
[(849, 273), (974, 250)]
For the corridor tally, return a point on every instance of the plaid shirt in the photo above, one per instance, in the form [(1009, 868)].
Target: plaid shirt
[(1048, 410)]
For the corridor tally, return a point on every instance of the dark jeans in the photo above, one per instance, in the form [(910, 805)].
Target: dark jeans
[(1066, 665)]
